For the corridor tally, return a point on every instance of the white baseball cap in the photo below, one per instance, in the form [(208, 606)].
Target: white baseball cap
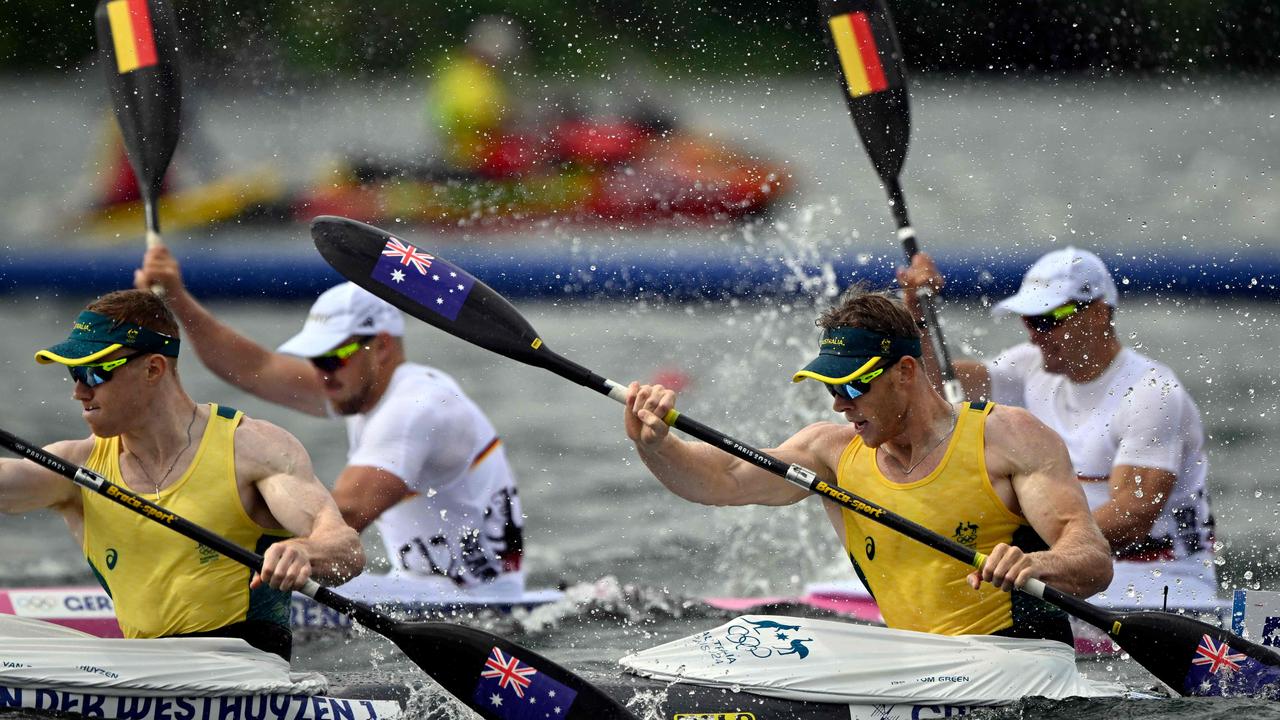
[(339, 313), (1060, 277)]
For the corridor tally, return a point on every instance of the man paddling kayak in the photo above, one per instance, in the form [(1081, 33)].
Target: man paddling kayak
[(244, 479), (991, 477), (1132, 429), (425, 463)]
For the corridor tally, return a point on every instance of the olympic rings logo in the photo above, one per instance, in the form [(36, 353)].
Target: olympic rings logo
[(34, 603), (746, 640)]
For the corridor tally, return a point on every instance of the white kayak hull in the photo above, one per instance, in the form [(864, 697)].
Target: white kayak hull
[(754, 667), (89, 609), (179, 707), (53, 669), (826, 661), (850, 598)]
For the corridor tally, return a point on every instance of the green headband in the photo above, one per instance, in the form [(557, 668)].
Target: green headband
[(847, 352), (95, 335)]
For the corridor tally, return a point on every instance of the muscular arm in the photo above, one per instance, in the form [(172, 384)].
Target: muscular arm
[(1138, 494), (704, 474), (427, 437), (272, 376), (276, 465), (26, 486), (1048, 495), (363, 493)]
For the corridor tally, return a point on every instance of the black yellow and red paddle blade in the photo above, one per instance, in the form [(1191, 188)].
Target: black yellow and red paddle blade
[(138, 45), (864, 46)]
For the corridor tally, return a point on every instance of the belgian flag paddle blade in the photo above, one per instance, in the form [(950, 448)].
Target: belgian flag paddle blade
[(138, 44), (865, 47)]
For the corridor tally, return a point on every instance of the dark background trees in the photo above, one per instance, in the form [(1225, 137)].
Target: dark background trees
[(255, 39)]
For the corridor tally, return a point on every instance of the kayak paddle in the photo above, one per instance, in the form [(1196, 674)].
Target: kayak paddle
[(1192, 657), (480, 669), (865, 47), (138, 46)]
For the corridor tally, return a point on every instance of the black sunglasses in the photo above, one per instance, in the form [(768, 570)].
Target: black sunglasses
[(1053, 318), (338, 358), (856, 387)]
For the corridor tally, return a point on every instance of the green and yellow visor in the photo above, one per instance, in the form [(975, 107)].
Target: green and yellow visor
[(94, 336), (847, 353)]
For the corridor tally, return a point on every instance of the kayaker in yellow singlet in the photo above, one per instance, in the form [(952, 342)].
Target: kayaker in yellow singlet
[(245, 479), (988, 476), (1134, 433)]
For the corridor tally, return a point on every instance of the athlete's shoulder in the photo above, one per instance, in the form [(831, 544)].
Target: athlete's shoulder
[(263, 443), (1011, 425), (1016, 442), (411, 378), (1145, 373), (76, 451)]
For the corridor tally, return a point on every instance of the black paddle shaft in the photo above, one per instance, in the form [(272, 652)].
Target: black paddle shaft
[(454, 656), (487, 319)]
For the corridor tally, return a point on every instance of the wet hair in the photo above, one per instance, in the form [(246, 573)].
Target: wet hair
[(139, 307), (874, 311)]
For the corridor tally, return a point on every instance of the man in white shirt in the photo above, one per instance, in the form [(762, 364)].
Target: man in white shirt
[(1133, 431), (424, 462)]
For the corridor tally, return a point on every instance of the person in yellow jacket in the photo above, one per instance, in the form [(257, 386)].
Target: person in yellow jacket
[(245, 479), (469, 103), (992, 477)]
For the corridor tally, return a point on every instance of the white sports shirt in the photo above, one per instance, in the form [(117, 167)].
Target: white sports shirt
[(1136, 413), (462, 520)]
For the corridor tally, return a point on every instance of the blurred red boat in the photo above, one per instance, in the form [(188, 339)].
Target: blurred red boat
[(583, 172)]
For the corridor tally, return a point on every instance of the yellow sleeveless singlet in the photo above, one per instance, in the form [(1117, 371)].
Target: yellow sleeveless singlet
[(163, 583), (919, 588)]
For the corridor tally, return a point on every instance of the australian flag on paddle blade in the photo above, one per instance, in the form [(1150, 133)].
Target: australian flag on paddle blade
[(422, 277), (514, 690), (1217, 670)]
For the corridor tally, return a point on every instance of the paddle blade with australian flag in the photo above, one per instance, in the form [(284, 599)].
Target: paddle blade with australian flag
[(1198, 659), (430, 281), (513, 689), (427, 287), (864, 46), (502, 681)]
